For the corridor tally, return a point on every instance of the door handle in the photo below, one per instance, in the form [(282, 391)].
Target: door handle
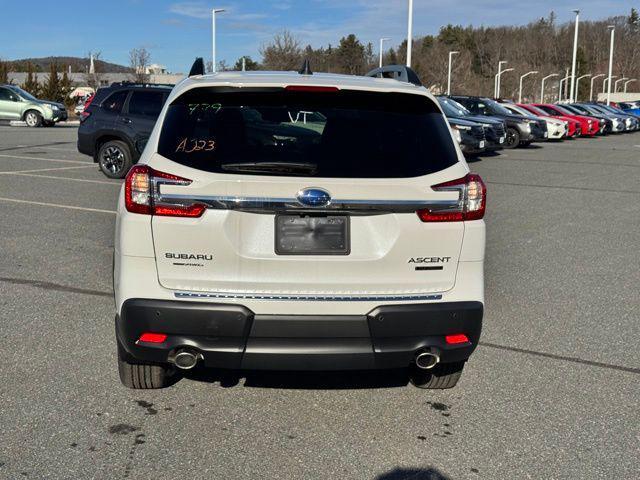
[(126, 120)]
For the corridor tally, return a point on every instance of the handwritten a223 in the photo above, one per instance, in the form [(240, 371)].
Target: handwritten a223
[(190, 145)]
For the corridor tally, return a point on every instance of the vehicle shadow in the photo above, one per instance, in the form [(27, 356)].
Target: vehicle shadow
[(413, 474), (297, 380)]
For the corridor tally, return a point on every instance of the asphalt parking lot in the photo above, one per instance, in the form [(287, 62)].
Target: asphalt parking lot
[(553, 391)]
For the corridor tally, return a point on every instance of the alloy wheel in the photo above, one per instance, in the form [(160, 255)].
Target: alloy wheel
[(31, 119), (112, 159)]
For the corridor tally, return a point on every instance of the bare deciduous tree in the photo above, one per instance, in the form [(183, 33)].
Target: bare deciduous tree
[(282, 53), (139, 62)]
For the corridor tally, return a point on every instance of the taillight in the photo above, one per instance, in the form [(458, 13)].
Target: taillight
[(142, 195), (84, 114), (472, 201)]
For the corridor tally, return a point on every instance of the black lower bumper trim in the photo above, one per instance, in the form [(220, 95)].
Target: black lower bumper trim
[(232, 336)]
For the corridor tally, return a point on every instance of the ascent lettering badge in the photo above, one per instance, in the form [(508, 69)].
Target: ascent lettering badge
[(429, 260)]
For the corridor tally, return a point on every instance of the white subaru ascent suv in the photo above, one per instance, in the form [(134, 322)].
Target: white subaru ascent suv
[(299, 221)]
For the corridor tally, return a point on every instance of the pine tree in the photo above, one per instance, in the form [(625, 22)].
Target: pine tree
[(4, 72), (351, 55), (51, 90), (65, 88), (249, 64), (634, 21), (31, 84)]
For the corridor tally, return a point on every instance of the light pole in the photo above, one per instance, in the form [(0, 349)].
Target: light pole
[(564, 81), (522, 78), (593, 79), (604, 84), (615, 84), (409, 32), (496, 82), (500, 78), (575, 99), (613, 34), (628, 82), (213, 37), (382, 40), (575, 52), (542, 87), (451, 54)]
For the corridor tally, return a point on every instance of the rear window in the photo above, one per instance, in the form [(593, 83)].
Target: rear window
[(341, 134), (148, 104), (115, 102)]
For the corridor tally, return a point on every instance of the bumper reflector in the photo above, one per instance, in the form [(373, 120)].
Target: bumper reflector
[(152, 337), (457, 338)]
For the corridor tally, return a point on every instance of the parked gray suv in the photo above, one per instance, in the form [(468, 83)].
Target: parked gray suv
[(16, 104)]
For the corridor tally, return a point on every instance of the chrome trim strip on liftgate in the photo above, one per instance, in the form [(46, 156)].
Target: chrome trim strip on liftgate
[(309, 298), (271, 205)]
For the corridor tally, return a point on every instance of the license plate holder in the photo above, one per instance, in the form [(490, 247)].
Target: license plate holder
[(312, 234)]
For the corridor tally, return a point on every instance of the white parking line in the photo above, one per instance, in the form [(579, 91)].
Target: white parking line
[(55, 205), (20, 157), (11, 172), (102, 182)]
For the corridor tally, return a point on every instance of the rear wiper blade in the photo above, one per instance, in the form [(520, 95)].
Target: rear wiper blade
[(282, 167)]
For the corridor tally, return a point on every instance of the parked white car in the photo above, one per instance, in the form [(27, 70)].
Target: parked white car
[(279, 220), (557, 129)]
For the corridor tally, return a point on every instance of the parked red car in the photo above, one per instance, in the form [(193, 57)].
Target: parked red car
[(590, 126), (573, 126)]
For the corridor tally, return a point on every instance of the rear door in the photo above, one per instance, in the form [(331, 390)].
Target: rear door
[(10, 105), (307, 194), (140, 114)]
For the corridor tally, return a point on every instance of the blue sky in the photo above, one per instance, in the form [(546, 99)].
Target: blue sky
[(177, 31)]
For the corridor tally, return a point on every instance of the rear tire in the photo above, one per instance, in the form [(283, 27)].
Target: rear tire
[(442, 376), (142, 376), (114, 159), (513, 138), (33, 118)]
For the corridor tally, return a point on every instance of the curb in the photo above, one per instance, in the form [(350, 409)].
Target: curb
[(17, 123)]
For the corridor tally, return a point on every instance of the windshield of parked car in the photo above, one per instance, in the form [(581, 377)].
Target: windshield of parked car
[(335, 134), (495, 108), (22, 93), (576, 109), (452, 108), (587, 109), (537, 111), (564, 110), (518, 110)]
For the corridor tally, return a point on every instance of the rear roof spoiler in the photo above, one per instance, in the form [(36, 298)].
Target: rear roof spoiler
[(396, 72)]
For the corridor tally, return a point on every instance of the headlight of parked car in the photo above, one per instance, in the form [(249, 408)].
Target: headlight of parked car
[(456, 134)]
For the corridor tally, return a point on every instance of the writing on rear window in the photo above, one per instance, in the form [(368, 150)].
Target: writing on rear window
[(272, 131), (190, 145), (204, 107)]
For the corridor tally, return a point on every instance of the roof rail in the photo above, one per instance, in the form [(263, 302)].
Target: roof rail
[(396, 72), (138, 84)]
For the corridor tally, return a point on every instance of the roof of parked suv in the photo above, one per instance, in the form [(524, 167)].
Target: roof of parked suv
[(279, 79)]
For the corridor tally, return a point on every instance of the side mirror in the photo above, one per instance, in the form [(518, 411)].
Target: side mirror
[(15, 98)]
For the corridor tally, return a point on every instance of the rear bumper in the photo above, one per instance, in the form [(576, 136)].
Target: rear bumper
[(232, 336), (86, 143)]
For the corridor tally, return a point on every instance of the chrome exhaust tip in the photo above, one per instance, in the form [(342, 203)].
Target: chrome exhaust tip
[(186, 359), (426, 360)]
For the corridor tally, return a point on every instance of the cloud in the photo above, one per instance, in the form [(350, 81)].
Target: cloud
[(202, 11), (191, 9)]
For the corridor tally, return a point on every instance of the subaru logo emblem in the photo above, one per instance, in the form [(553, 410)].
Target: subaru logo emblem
[(313, 197)]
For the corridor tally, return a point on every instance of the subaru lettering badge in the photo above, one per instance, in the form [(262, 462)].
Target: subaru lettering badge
[(313, 197)]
